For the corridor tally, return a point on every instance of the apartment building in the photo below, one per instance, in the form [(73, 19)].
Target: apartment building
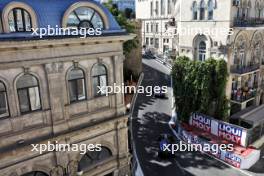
[(49, 93), (158, 24), (232, 30), (125, 4)]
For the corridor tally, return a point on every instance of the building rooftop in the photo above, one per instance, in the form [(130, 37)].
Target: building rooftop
[(50, 12)]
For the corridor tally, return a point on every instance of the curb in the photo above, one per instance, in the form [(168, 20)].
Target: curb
[(136, 168)]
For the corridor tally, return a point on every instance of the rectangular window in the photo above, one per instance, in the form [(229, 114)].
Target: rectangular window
[(3, 105), (147, 41), (157, 27), (27, 22), (18, 15), (151, 27), (11, 22), (147, 27), (34, 98), (169, 7), (151, 8), (162, 7), (100, 81), (72, 90), (151, 41), (81, 89), (156, 43), (24, 100), (157, 8)]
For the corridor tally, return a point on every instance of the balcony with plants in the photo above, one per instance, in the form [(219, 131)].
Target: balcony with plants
[(244, 88), (244, 68)]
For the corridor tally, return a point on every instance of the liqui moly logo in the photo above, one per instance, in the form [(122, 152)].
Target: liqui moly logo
[(201, 122), (230, 133), (233, 160)]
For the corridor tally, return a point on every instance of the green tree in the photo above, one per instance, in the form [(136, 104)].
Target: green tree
[(200, 87), (124, 23)]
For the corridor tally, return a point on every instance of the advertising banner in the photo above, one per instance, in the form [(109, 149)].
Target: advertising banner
[(232, 159), (218, 128), (239, 161)]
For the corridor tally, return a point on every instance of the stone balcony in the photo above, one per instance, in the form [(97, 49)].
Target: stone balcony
[(248, 22), (243, 95), (242, 69)]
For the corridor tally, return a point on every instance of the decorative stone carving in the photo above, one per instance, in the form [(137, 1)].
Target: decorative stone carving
[(56, 67), (72, 168), (57, 171)]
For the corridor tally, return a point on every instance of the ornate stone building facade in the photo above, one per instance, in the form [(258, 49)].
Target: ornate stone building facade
[(48, 90), (158, 25), (232, 30)]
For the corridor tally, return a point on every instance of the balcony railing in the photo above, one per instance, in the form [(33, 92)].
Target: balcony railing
[(248, 22), (241, 69), (242, 95)]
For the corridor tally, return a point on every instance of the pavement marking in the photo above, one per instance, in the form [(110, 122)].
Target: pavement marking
[(163, 164)]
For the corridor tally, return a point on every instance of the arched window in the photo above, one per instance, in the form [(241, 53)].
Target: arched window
[(210, 9), (248, 9), (258, 10), (77, 87), (202, 51), (36, 173), (19, 20), (4, 112), (28, 93), (92, 158), (194, 10), (99, 74), (236, 58), (85, 17), (256, 54), (242, 58), (202, 10)]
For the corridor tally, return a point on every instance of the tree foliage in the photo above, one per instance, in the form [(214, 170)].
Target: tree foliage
[(200, 87), (124, 23)]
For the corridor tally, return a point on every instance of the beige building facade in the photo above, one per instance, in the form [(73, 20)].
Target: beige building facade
[(231, 30), (48, 91), (158, 24)]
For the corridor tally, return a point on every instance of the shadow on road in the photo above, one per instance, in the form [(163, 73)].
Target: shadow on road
[(150, 119)]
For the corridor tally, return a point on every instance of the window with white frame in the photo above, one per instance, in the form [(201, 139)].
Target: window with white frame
[(4, 112), (19, 20), (202, 51), (77, 87), (210, 9), (28, 93), (99, 74), (194, 11), (202, 10)]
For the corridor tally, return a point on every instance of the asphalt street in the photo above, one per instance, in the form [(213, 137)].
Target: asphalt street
[(150, 119)]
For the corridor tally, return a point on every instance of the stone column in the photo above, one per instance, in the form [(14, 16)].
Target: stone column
[(119, 80), (122, 145), (56, 91)]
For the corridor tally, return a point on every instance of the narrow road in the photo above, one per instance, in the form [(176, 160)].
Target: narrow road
[(150, 119)]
